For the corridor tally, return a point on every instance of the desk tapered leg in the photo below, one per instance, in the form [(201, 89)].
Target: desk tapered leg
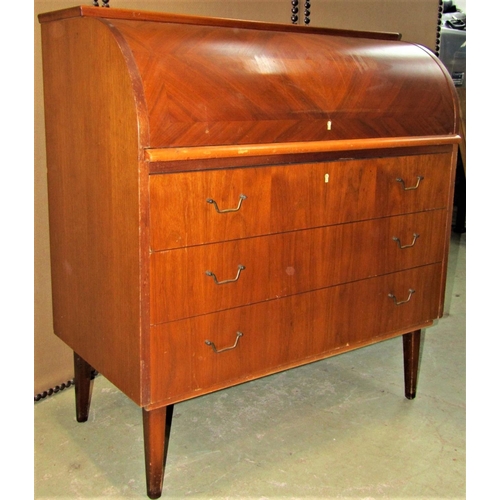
[(83, 387), (411, 354), (157, 425)]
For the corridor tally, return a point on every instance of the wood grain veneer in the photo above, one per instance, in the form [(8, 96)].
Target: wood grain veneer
[(97, 221), (344, 147), (289, 263), (291, 197), (335, 319)]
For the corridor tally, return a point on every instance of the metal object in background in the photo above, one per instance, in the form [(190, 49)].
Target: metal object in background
[(295, 11), (452, 45), (307, 12)]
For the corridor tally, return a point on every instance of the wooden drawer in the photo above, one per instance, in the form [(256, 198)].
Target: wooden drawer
[(284, 264), (286, 332), (291, 197)]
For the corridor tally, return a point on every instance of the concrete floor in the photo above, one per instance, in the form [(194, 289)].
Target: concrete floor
[(339, 428)]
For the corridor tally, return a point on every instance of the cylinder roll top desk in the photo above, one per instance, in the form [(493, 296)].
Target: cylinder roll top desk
[(229, 199)]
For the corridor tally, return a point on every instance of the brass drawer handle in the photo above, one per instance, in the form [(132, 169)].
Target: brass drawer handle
[(217, 282), (392, 296), (419, 178), (212, 345), (214, 203), (415, 236)]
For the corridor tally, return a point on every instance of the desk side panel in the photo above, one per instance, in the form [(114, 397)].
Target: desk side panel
[(92, 135)]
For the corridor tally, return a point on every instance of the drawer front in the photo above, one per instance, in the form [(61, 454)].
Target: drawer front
[(282, 333), (246, 202), (224, 275)]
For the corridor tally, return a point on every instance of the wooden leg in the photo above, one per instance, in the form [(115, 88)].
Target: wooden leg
[(411, 353), (83, 387), (157, 425)]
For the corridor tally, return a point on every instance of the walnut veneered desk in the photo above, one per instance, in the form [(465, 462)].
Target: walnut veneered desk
[(229, 199)]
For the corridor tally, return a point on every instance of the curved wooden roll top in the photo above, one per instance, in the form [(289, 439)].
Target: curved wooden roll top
[(223, 82)]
